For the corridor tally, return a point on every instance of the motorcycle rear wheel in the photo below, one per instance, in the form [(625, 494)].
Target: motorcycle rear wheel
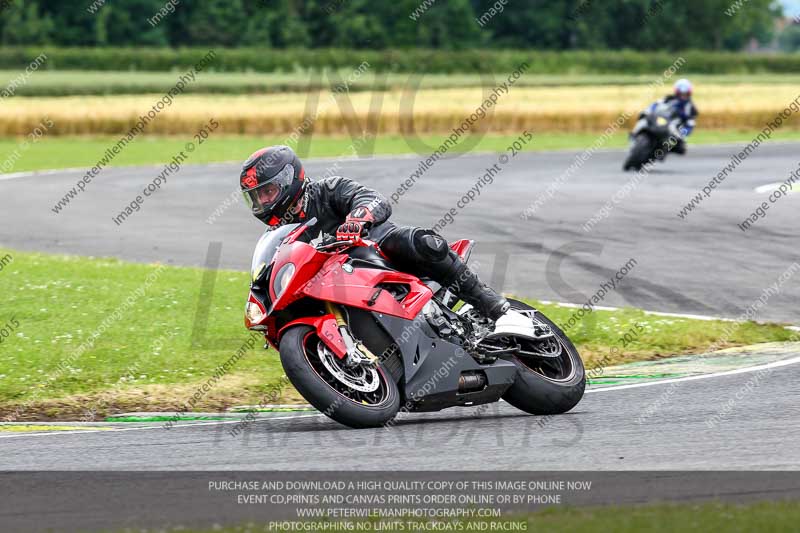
[(545, 387), (313, 372)]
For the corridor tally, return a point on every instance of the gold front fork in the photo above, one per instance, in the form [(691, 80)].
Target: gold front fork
[(337, 314), (345, 331)]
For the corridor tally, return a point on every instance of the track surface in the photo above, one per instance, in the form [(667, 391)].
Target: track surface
[(701, 265), (704, 264), (605, 432)]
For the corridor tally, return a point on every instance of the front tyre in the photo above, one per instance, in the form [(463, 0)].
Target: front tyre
[(547, 386), (640, 153), (360, 398)]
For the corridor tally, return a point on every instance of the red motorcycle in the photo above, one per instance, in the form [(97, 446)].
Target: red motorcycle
[(362, 341)]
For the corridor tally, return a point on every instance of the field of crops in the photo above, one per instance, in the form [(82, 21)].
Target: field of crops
[(743, 106), (93, 82)]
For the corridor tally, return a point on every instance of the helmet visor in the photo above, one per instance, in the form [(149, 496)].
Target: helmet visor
[(262, 199)]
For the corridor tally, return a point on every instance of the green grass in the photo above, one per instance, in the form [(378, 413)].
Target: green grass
[(58, 302), (83, 152), (764, 517), (66, 83)]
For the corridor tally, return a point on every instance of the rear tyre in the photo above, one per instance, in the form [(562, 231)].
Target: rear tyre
[(640, 152), (545, 386), (339, 393)]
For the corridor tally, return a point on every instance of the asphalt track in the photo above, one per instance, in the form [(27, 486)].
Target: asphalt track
[(681, 425), (704, 264)]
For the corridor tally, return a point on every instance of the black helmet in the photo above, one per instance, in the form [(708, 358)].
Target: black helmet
[(272, 181)]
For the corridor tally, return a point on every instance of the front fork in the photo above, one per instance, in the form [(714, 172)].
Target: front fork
[(356, 353)]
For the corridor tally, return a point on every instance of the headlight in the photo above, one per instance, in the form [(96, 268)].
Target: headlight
[(283, 278), (254, 313)]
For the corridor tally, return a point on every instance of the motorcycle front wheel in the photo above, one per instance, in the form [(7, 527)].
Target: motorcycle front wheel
[(640, 153), (547, 386), (360, 397)]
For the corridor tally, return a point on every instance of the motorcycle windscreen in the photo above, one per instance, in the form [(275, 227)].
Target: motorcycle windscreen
[(267, 245), (663, 109)]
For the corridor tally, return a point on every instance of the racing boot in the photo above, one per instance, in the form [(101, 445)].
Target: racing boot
[(491, 305), (465, 284)]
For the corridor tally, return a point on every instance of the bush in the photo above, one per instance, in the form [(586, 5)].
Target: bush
[(413, 60)]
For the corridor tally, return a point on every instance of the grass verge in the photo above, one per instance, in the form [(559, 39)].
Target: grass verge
[(83, 152), (87, 336)]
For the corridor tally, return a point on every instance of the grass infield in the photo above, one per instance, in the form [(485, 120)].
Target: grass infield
[(84, 152), (87, 337)]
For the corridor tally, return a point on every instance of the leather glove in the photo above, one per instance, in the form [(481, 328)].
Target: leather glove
[(355, 225)]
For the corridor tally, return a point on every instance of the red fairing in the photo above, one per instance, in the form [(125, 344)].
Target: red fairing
[(327, 331), (462, 248), (307, 262), (320, 276), (358, 289)]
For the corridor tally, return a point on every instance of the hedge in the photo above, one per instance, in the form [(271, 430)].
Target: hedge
[(414, 60)]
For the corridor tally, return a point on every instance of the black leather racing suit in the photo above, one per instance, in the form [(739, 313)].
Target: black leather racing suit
[(418, 251)]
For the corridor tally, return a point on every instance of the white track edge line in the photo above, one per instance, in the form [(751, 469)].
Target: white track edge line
[(745, 370)]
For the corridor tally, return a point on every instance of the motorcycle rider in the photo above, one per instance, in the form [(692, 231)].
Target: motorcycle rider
[(278, 192), (685, 113)]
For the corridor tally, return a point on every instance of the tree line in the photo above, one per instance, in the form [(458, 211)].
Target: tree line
[(379, 25)]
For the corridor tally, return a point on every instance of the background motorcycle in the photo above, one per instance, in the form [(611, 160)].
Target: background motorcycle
[(653, 136), (361, 341)]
